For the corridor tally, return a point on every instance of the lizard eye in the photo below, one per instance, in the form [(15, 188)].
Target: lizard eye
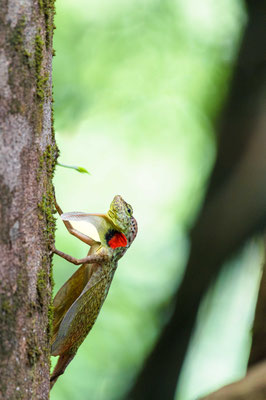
[(129, 210)]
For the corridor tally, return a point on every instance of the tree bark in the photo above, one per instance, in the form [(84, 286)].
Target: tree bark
[(27, 159)]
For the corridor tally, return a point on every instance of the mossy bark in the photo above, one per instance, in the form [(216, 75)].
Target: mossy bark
[(27, 159)]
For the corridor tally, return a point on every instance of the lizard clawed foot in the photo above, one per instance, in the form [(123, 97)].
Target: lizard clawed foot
[(52, 248)]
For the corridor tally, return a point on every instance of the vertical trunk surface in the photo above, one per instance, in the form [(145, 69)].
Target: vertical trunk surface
[(27, 159)]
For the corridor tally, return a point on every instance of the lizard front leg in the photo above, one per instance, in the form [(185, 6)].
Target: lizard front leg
[(90, 259)]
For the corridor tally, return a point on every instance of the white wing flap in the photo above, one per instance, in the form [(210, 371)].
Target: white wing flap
[(83, 223)]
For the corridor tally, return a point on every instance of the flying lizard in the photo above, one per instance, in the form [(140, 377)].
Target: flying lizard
[(78, 302)]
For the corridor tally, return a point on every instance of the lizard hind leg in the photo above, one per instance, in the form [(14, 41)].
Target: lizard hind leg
[(59, 369)]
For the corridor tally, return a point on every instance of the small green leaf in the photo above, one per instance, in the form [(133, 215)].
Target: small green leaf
[(79, 169), (82, 170)]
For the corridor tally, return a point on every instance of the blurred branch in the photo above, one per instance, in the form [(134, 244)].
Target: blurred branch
[(252, 387), (234, 208), (258, 348)]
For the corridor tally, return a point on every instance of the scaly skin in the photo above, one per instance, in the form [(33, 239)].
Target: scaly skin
[(78, 302)]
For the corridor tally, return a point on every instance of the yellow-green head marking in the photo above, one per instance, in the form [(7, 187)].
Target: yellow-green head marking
[(120, 213)]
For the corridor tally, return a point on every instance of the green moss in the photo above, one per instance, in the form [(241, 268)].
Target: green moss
[(42, 286), (47, 162), (41, 162), (47, 212), (50, 307), (16, 39), (49, 12), (52, 121), (47, 7), (50, 320), (41, 79), (46, 169), (42, 86), (27, 54), (15, 107), (33, 351), (40, 2), (38, 52), (28, 58), (39, 174), (6, 306)]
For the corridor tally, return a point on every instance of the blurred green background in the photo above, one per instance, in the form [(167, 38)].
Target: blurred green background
[(137, 87)]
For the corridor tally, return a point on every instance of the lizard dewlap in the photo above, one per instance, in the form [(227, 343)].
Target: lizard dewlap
[(118, 240)]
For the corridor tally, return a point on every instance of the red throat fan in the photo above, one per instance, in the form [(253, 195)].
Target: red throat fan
[(117, 240)]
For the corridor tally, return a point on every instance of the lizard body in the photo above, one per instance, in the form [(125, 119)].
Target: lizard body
[(78, 302)]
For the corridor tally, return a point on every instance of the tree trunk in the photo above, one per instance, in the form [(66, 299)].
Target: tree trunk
[(27, 160)]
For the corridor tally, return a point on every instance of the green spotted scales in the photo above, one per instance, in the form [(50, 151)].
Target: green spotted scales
[(78, 302)]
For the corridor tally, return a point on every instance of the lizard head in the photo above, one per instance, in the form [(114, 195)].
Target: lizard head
[(120, 213), (121, 216)]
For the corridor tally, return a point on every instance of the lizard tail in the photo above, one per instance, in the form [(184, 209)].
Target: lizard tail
[(60, 367)]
